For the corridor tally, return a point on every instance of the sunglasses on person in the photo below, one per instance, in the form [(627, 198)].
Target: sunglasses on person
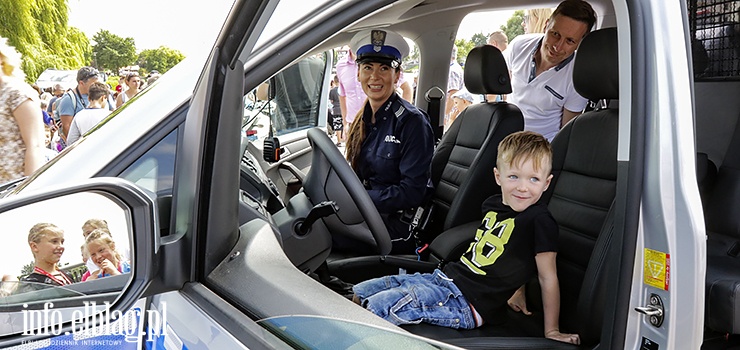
[(93, 73)]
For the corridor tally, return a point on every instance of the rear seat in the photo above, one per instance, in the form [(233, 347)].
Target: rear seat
[(722, 311)]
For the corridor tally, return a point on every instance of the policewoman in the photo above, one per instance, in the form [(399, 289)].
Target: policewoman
[(390, 147)]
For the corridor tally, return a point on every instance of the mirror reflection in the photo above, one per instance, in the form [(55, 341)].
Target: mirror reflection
[(72, 250)]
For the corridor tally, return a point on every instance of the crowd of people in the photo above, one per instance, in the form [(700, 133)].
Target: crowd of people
[(38, 123), (390, 145)]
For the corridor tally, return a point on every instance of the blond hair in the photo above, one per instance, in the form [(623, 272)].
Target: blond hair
[(42, 229), (94, 224), (100, 235), (537, 19), (10, 60), (524, 146)]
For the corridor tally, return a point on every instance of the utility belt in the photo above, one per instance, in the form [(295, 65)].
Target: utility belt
[(417, 219)]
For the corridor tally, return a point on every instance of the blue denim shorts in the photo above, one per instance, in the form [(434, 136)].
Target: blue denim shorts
[(411, 299)]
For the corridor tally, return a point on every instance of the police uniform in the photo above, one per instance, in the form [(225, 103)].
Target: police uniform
[(394, 163)]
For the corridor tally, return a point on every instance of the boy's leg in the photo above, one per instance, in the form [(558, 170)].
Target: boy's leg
[(431, 298), (366, 289)]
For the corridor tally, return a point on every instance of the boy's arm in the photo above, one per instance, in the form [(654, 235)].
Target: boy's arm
[(548, 276)]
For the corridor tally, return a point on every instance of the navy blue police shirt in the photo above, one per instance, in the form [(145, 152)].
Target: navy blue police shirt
[(396, 156)]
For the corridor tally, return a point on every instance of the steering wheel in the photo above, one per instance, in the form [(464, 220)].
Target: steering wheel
[(332, 179)]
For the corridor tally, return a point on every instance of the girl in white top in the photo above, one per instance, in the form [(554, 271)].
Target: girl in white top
[(133, 81), (96, 111)]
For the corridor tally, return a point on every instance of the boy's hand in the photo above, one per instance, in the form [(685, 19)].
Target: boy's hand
[(518, 302), (563, 337)]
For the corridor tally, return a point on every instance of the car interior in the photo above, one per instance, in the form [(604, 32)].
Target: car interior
[(272, 256), (330, 201)]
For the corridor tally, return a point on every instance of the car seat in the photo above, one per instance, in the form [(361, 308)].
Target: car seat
[(722, 312), (580, 199), (462, 166)]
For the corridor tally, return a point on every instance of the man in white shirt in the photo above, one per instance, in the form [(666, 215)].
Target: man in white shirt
[(542, 69)]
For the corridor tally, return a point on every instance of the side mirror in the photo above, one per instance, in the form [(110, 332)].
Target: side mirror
[(42, 294)]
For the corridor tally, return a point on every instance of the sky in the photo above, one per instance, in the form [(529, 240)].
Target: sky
[(175, 24), (179, 25)]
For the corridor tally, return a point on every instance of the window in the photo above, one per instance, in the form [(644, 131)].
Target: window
[(292, 97), (154, 171), (715, 24)]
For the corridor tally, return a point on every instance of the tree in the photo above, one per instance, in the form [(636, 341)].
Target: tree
[(111, 51), (479, 39), (160, 59), (28, 268), (463, 48), (39, 31), (513, 26)]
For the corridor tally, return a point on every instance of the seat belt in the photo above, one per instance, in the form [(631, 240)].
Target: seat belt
[(434, 100)]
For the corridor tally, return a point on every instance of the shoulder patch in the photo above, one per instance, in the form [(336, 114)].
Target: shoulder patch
[(400, 111)]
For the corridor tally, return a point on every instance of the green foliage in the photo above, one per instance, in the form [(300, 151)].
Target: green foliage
[(479, 39), (39, 32), (112, 51), (463, 48), (28, 268), (160, 59), (513, 26)]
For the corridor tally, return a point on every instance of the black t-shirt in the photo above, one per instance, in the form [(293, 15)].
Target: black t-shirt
[(502, 257), (41, 278)]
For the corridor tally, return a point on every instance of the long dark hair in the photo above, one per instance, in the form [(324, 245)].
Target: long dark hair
[(355, 138)]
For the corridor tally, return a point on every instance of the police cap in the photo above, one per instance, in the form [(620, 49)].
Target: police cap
[(380, 46)]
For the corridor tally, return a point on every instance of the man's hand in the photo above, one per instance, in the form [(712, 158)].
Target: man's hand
[(518, 302), (563, 337)]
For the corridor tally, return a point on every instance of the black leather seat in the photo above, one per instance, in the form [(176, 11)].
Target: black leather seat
[(462, 165), (722, 312), (580, 198)]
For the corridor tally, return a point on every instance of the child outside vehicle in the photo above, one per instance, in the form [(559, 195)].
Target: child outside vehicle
[(102, 251), (516, 240)]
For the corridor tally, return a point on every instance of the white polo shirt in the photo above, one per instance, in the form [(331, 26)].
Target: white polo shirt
[(542, 98)]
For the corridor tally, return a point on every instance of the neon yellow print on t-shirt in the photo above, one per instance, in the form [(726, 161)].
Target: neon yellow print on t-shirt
[(489, 243)]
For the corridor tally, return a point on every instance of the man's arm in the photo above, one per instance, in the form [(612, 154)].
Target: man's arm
[(548, 277), (343, 107), (449, 104), (408, 91), (66, 122), (567, 116)]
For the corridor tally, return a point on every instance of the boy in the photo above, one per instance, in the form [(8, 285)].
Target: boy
[(516, 239), (47, 245)]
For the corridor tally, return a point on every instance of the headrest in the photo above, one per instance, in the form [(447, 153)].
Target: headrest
[(596, 71), (699, 57), (486, 71)]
